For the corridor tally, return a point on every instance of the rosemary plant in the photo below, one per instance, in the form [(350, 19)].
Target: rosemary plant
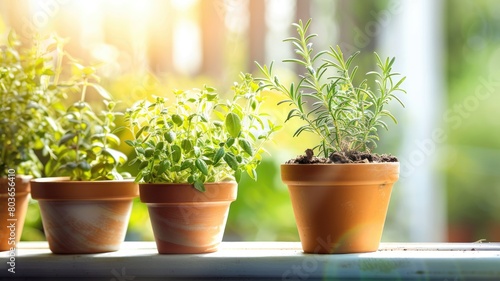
[(344, 114)]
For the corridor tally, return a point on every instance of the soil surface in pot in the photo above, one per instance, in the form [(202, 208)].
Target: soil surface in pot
[(343, 157)]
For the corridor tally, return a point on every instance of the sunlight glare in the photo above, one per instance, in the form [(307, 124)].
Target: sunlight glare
[(187, 47), (183, 5), (236, 15)]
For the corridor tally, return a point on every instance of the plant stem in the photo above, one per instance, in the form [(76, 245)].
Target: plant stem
[(60, 55), (313, 74), (84, 89), (79, 132)]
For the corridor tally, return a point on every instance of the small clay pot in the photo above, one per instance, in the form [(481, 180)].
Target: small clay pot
[(340, 208), (10, 236), (185, 220), (83, 217)]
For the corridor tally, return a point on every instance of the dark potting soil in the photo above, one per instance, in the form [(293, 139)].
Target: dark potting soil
[(342, 157)]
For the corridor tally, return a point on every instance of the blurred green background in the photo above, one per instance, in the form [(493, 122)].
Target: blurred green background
[(152, 47)]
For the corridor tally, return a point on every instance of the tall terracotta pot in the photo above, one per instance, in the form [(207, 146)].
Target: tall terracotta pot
[(340, 208), (185, 220), (82, 217), (12, 220)]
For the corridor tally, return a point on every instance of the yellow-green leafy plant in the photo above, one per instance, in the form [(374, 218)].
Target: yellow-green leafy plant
[(83, 147), (28, 100), (198, 137)]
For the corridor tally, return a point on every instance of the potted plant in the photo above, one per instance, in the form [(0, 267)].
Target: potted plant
[(340, 198), (85, 203), (191, 154), (24, 124)]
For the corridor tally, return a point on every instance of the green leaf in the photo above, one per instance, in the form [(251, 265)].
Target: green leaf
[(210, 89), (212, 97), (186, 145), (98, 168), (202, 166), (246, 146), (51, 122), (69, 166), (186, 164), (176, 153), (112, 138), (130, 143), (84, 165), (148, 152), (251, 172), (138, 134), (159, 146), (170, 136), (230, 142), (199, 185), (218, 155), (138, 177), (66, 138), (197, 151), (110, 105), (237, 175), (118, 156), (231, 161), (387, 113), (146, 175), (233, 124), (163, 167), (177, 119), (143, 165), (51, 167), (239, 158)]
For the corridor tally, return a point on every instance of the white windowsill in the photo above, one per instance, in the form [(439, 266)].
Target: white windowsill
[(267, 260)]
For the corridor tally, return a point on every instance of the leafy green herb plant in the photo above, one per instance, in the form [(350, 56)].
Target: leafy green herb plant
[(28, 101), (83, 148), (344, 114), (199, 138)]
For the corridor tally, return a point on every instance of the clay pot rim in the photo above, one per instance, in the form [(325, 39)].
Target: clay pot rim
[(23, 178), (22, 184), (175, 193), (342, 164), (66, 180), (63, 189), (339, 174), (185, 183)]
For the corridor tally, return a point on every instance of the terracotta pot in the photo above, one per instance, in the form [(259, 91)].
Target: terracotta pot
[(81, 217), (340, 208), (11, 227), (186, 220)]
